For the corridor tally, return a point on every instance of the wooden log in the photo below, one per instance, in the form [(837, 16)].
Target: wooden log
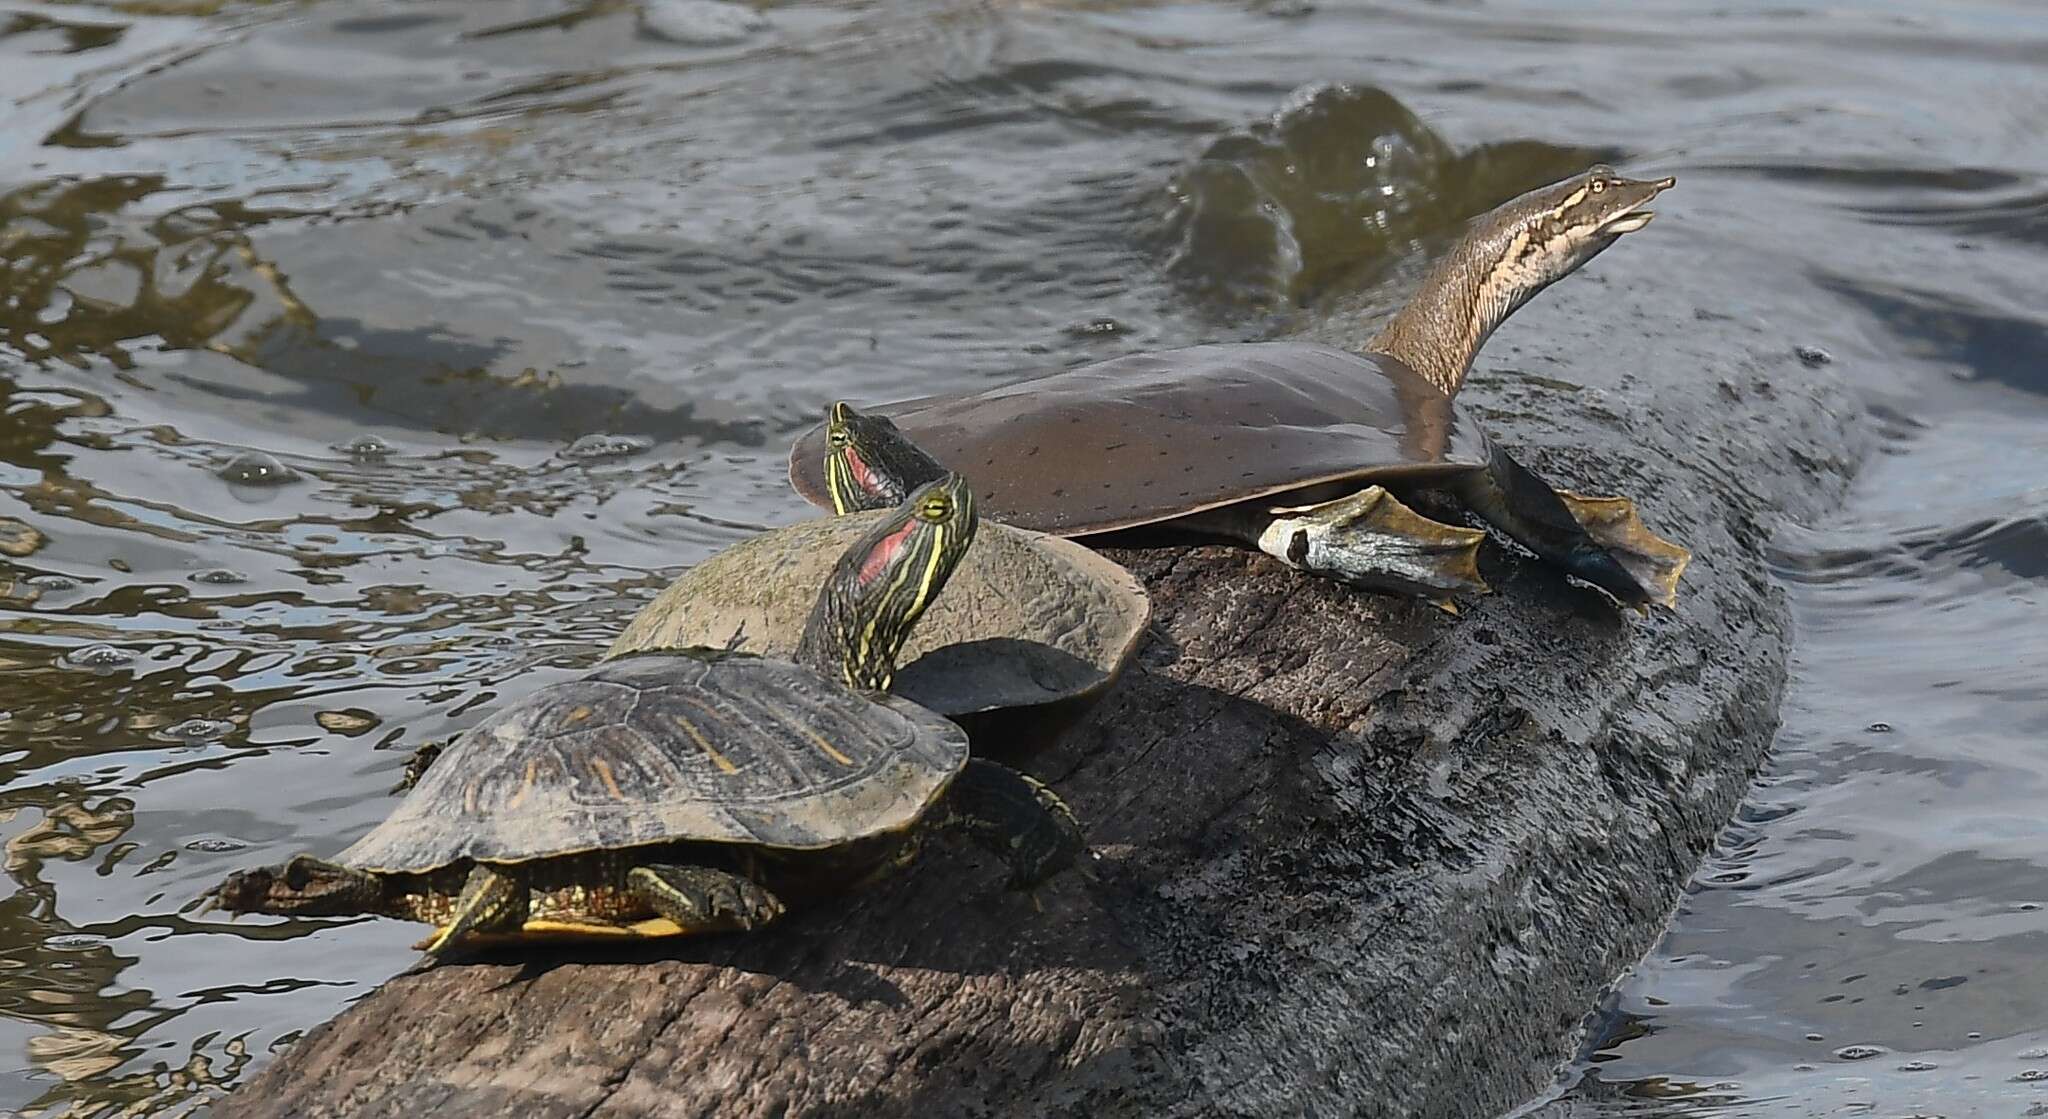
[(1356, 856)]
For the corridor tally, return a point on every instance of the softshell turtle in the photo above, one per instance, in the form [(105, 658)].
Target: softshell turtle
[(1298, 449), (1032, 627), (696, 790)]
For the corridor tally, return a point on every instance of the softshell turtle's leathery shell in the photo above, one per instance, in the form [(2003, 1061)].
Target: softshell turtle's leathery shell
[(1156, 436), (654, 749), (1026, 619)]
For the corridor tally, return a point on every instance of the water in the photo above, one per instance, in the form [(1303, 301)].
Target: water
[(367, 363)]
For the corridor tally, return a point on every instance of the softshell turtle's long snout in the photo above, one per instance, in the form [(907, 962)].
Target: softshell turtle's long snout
[(1629, 205), (1509, 254)]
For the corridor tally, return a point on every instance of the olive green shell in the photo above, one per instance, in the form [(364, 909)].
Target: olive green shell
[(1156, 436), (703, 747), (1026, 618)]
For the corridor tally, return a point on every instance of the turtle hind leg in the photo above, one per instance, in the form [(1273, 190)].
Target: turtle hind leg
[(1369, 539), (492, 900), (1514, 500), (1017, 819), (701, 899), (1655, 562)]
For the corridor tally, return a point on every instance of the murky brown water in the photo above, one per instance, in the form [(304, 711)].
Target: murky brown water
[(419, 253)]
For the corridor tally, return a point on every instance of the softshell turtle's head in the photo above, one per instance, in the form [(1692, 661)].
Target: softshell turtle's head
[(304, 886), (1508, 255), (869, 464), (1544, 234)]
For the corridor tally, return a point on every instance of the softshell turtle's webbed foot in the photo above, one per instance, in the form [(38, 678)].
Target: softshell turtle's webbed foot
[(1370, 539), (1655, 562), (1017, 819), (493, 900), (701, 899), (1517, 502)]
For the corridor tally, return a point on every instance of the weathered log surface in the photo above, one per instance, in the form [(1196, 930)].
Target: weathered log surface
[(1357, 856)]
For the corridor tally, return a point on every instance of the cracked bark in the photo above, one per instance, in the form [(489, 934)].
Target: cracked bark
[(1358, 856)]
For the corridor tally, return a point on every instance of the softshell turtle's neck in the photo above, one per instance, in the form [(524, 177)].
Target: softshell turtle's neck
[(1510, 254)]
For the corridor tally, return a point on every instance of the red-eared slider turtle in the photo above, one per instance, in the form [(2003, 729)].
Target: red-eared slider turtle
[(1028, 620), (1296, 448), (700, 789)]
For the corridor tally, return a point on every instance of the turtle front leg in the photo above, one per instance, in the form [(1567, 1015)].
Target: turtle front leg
[(700, 899), (1514, 500), (1369, 539), (492, 900), (1016, 818)]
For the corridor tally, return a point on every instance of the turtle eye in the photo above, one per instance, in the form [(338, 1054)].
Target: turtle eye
[(838, 436), (935, 508), (1599, 185)]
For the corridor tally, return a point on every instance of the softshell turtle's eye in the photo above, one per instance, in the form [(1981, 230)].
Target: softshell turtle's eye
[(935, 507), (1599, 185)]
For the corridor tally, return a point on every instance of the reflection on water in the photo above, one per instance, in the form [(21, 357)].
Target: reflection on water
[(364, 365)]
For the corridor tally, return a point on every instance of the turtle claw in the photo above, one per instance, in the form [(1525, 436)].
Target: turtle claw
[(1654, 562)]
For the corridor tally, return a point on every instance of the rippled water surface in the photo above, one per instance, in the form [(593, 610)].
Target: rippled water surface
[(367, 363)]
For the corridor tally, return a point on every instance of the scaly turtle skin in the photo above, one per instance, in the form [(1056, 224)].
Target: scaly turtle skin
[(1028, 620), (699, 789), (1295, 448)]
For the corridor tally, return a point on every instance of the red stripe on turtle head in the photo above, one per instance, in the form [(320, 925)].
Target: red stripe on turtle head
[(862, 475), (883, 554)]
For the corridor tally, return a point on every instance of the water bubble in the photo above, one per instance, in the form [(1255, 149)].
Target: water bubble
[(99, 657), (1860, 1052), (365, 447), (1813, 356), (1879, 727), (600, 446), (73, 942), (700, 23), (1816, 1037), (218, 576), (2031, 1076), (256, 468), (1101, 327), (196, 731), (213, 845), (52, 582), (1918, 1066)]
